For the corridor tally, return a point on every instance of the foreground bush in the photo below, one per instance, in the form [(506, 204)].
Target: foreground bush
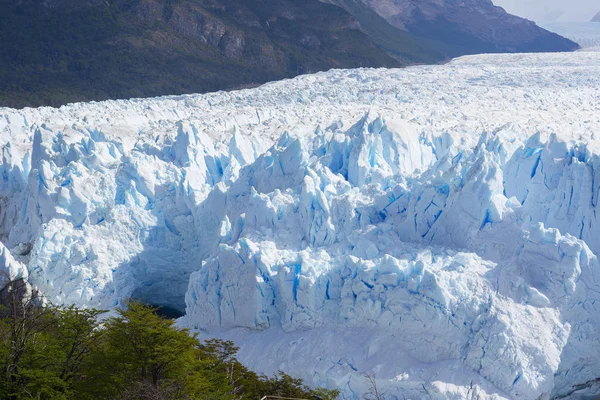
[(51, 352)]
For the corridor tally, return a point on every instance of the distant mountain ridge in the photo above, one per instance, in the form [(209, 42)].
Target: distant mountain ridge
[(58, 51), (596, 18), (464, 26)]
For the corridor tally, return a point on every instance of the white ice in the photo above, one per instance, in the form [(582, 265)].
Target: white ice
[(435, 226)]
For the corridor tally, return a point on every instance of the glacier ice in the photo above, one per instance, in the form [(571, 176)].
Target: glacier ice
[(10, 269), (434, 226), (586, 34)]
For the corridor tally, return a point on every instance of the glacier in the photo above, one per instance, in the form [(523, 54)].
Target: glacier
[(586, 34), (434, 226)]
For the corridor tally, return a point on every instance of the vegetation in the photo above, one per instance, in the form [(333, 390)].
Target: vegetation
[(49, 352)]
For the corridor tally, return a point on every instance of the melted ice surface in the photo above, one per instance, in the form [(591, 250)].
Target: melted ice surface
[(435, 226)]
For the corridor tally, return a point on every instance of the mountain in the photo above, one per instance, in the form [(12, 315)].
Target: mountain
[(97, 50), (463, 26), (596, 18), (434, 226), (57, 51)]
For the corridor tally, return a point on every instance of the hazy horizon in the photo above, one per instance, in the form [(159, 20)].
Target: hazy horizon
[(551, 10)]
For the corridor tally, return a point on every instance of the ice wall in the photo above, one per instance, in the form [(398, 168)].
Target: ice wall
[(466, 256)]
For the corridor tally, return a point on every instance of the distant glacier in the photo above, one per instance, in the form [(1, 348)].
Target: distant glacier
[(586, 34)]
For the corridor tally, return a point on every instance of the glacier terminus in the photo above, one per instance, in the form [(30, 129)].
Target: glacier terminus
[(434, 227)]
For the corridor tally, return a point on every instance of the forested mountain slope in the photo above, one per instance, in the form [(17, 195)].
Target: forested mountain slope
[(60, 51)]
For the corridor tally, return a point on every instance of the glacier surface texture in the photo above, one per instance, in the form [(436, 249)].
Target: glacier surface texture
[(435, 226)]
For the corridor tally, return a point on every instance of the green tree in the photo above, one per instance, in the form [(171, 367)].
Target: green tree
[(75, 336), (144, 356), (146, 352), (60, 353), (43, 350), (22, 333), (284, 385)]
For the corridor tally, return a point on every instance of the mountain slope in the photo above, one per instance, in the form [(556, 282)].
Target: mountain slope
[(596, 18), (397, 42), (464, 26), (99, 50), (58, 51)]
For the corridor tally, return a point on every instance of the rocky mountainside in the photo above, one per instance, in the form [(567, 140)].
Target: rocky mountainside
[(463, 26), (94, 50), (60, 51)]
